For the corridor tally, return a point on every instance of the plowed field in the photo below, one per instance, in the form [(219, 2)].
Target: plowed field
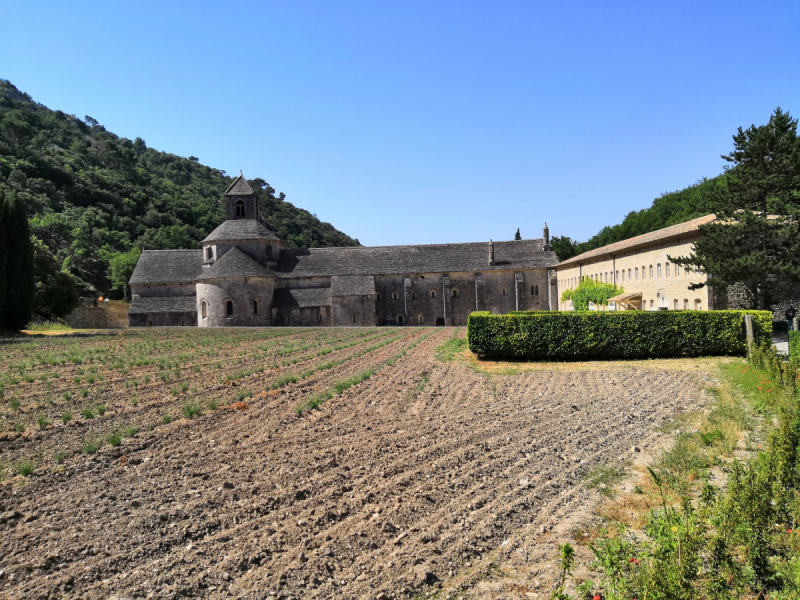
[(423, 475)]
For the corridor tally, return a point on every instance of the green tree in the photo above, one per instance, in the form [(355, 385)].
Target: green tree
[(755, 239), (590, 291), (564, 247), (18, 256), (122, 265), (55, 293), (517, 235)]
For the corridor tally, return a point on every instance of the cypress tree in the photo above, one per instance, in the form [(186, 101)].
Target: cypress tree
[(18, 305)]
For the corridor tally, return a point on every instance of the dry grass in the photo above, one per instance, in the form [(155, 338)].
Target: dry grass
[(507, 367)]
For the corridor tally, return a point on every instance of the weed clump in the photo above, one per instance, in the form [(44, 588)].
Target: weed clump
[(191, 410), (26, 468)]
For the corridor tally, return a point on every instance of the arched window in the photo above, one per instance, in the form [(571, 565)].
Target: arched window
[(394, 295), (209, 253), (149, 323), (697, 304), (675, 304), (623, 275), (651, 271), (228, 308), (433, 293), (536, 290), (239, 209), (255, 307), (456, 293), (617, 277), (636, 273), (685, 304), (630, 272), (354, 318), (658, 270), (651, 304), (379, 296), (204, 309), (180, 322), (533, 290), (667, 270), (644, 274), (505, 291), (413, 295), (420, 319)]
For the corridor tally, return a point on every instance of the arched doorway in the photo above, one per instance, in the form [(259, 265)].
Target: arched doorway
[(401, 320), (440, 321)]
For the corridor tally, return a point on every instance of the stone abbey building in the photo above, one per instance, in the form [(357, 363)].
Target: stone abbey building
[(245, 276)]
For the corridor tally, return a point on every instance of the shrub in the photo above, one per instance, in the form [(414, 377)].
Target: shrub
[(605, 335), (794, 343)]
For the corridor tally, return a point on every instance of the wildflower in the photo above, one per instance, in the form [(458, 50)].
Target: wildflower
[(788, 531), (597, 597), (635, 560), (674, 529)]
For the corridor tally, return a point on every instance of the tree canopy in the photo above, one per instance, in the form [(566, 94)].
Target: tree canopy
[(90, 194), (755, 239)]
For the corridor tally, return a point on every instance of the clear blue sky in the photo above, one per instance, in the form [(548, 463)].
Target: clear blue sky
[(423, 122)]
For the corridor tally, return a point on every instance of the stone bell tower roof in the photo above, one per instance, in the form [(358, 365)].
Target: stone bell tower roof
[(239, 187)]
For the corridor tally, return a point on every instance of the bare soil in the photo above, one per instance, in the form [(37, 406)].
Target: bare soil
[(427, 476)]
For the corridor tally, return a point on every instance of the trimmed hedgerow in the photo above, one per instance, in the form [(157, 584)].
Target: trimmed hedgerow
[(603, 335)]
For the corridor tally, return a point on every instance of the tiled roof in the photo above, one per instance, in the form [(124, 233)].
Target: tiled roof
[(302, 298), (239, 187), (240, 229), (434, 258), (163, 304), (647, 239), (167, 266), (234, 264), (352, 285)]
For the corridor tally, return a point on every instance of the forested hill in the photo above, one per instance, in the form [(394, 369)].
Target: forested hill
[(669, 209), (91, 194)]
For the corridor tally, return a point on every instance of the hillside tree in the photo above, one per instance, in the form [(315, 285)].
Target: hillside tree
[(755, 239)]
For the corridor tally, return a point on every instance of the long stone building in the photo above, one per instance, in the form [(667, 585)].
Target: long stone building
[(641, 266), (244, 275)]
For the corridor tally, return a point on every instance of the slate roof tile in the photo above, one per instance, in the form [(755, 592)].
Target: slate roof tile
[(240, 229), (239, 187), (352, 285), (433, 258), (234, 264), (660, 235), (167, 266)]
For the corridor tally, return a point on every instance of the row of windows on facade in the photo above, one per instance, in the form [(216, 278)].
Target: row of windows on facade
[(210, 253), (632, 275), (675, 304), (457, 294), (228, 309)]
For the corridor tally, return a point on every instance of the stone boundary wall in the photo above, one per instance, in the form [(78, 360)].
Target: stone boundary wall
[(91, 314)]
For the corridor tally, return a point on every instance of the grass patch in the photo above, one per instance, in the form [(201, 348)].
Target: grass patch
[(336, 389), (89, 448), (604, 478), (26, 468), (42, 422), (447, 351), (65, 417), (114, 439), (191, 410), (166, 419)]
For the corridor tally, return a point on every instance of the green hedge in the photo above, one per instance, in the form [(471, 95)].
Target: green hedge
[(603, 335), (794, 344)]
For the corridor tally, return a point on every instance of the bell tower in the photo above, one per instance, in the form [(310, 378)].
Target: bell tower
[(241, 201)]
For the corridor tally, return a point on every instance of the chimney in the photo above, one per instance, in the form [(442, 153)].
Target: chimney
[(546, 235), (491, 252)]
